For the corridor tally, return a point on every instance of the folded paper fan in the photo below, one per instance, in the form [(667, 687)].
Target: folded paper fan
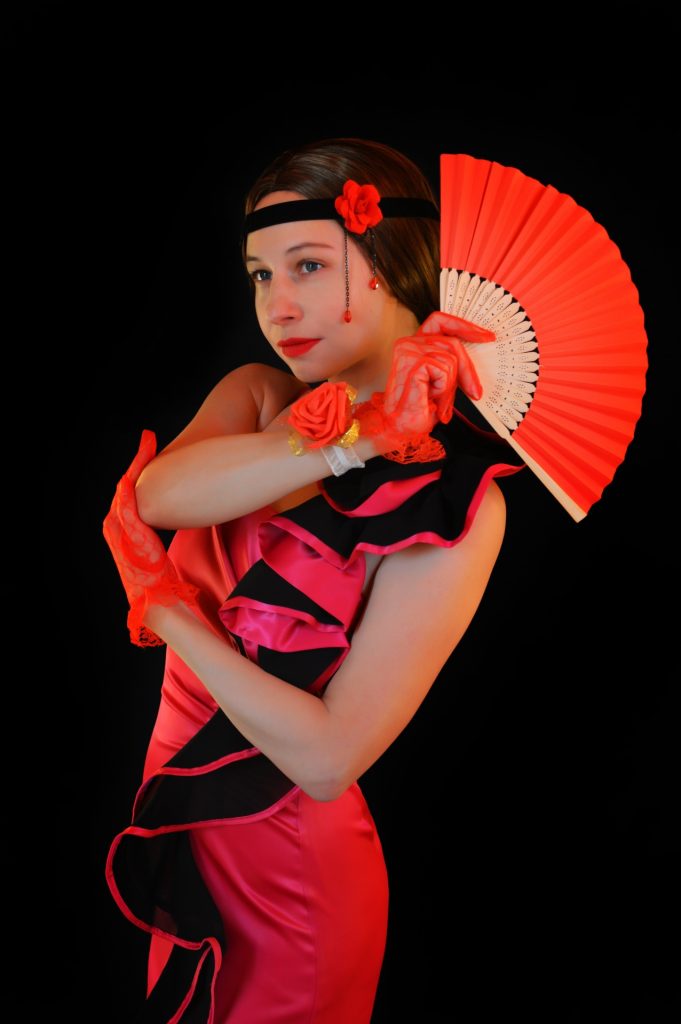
[(564, 381)]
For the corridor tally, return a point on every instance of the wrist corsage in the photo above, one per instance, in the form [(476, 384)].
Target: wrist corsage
[(326, 419), (323, 417)]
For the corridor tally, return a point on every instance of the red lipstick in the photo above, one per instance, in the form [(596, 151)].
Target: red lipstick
[(297, 346)]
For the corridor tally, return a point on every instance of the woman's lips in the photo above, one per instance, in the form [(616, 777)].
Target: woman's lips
[(297, 346)]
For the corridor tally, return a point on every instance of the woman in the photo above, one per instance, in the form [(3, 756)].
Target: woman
[(334, 536)]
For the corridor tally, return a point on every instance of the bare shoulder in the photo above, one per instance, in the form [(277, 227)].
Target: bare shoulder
[(242, 402), (442, 584), (273, 390)]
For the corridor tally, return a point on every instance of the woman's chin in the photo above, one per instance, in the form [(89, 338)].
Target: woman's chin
[(307, 376)]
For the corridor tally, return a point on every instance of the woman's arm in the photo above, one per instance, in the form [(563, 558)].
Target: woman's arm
[(220, 467), (422, 601)]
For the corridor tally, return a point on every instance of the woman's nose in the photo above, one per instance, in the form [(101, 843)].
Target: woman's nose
[(282, 301)]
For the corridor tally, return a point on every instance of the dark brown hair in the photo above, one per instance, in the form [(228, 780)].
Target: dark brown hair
[(407, 248)]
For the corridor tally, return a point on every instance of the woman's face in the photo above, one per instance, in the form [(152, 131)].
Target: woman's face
[(299, 273)]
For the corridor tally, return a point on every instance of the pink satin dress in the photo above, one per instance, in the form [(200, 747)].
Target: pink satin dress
[(265, 906), (303, 890)]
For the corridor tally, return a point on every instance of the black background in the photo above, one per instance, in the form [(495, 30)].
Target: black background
[(526, 813)]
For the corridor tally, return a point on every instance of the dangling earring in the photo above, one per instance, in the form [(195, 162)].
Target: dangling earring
[(373, 283), (347, 315)]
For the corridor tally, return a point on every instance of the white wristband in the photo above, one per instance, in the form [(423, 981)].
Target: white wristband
[(341, 459)]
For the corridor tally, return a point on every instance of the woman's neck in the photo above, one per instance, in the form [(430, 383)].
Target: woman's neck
[(370, 376)]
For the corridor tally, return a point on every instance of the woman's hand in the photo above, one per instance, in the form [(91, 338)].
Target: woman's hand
[(426, 369), (147, 574)]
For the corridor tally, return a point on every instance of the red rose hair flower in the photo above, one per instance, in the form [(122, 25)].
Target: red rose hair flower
[(358, 205)]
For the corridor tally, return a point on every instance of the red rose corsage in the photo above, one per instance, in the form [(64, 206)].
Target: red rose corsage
[(324, 415), (358, 205)]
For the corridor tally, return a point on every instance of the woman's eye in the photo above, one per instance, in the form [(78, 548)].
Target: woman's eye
[(303, 263)]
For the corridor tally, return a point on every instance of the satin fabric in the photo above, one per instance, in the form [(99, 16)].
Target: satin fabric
[(298, 887), (303, 890)]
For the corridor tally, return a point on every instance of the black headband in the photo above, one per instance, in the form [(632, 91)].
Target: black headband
[(325, 209)]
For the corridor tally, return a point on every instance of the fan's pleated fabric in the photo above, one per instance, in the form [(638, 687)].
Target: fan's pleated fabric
[(565, 379)]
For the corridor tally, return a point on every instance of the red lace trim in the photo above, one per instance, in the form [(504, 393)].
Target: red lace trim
[(417, 447), (167, 593)]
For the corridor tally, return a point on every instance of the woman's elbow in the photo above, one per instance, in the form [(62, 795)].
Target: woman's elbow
[(145, 503), (325, 791), (329, 782), (152, 501)]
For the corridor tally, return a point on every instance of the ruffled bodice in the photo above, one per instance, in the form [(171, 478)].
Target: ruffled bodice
[(295, 609)]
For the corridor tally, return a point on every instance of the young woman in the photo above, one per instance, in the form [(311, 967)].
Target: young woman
[(337, 523)]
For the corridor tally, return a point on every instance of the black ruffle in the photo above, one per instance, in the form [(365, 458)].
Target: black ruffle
[(439, 508), (328, 530), (470, 451)]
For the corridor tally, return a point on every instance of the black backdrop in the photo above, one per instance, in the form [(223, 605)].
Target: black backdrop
[(526, 812)]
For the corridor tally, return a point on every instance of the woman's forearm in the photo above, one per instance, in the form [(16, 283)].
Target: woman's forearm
[(291, 727), (222, 478)]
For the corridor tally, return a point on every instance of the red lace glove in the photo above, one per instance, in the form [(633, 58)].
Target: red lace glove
[(421, 385), (148, 575)]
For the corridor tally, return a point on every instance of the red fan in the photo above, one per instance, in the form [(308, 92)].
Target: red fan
[(564, 381)]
